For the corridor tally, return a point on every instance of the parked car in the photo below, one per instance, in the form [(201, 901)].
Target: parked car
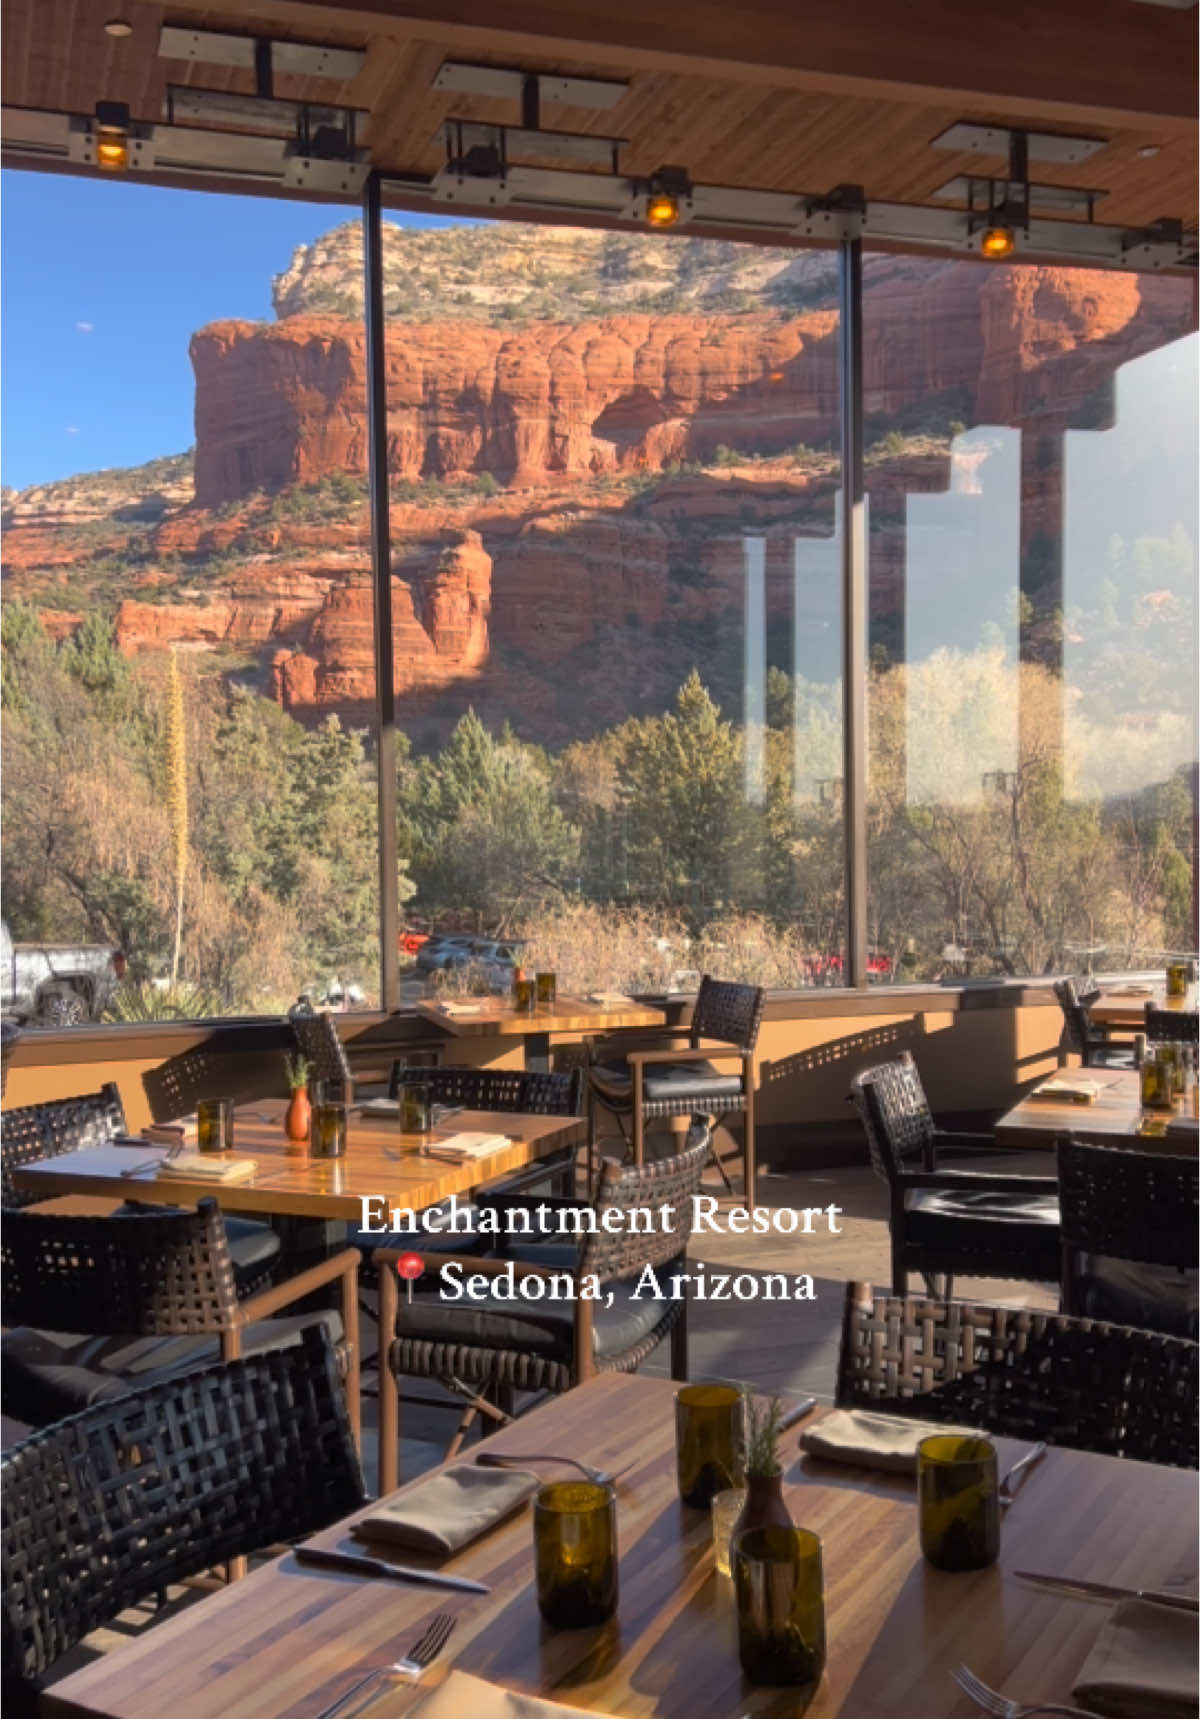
[(56, 984), (411, 941), (499, 961), (442, 951)]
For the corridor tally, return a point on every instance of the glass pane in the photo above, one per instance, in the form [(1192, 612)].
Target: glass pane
[(188, 671), (613, 474), (1031, 468)]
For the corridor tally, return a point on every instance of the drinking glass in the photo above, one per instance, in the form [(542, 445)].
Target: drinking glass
[(547, 990), (214, 1125), (524, 996), (1177, 979), (575, 1552), (328, 1130), (726, 1508), (709, 1442), (958, 1501), (780, 1592), (416, 1107)]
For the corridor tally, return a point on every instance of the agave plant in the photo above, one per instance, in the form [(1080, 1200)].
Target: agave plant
[(299, 1070)]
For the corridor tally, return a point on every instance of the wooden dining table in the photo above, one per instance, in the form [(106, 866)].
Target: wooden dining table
[(566, 1018), (1114, 1117), (1125, 1006), (290, 1640), (289, 1181)]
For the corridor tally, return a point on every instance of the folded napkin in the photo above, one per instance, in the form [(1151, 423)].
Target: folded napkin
[(207, 1167), (1078, 1091), (888, 1442), (450, 1509), (466, 1148), (461, 1008), (614, 999), (1143, 1665), (185, 1132), (1131, 991), (462, 1695), (380, 1107)]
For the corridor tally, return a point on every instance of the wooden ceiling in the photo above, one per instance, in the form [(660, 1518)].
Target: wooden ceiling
[(777, 107)]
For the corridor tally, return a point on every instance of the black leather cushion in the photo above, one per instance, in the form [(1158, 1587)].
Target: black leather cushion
[(665, 1080), (927, 1207), (1153, 1297), (422, 1241), (253, 1247), (48, 1374), (543, 1327)]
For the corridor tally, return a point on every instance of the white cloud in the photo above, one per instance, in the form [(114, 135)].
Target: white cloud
[(72, 429), (85, 327)]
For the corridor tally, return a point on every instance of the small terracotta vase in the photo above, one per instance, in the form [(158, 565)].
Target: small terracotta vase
[(298, 1116), (764, 1507)]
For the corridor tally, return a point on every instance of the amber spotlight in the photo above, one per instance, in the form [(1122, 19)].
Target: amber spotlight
[(997, 242)]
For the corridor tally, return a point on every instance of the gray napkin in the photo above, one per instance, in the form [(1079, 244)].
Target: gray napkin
[(462, 1696), (888, 1442), (450, 1509), (1143, 1665)]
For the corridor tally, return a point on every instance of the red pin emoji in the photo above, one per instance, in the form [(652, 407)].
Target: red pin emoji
[(410, 1266)]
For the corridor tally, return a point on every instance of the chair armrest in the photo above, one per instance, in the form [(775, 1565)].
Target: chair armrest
[(975, 1180), (968, 1142), (280, 1295), (384, 1257), (702, 1053)]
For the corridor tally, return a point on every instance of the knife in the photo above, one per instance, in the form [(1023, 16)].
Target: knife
[(797, 1413), (354, 1564), (1101, 1590)]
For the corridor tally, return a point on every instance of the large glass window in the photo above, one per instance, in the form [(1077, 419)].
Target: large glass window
[(1031, 468), (189, 785)]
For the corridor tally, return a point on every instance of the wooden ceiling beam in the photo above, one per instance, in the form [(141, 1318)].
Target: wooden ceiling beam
[(1074, 62)]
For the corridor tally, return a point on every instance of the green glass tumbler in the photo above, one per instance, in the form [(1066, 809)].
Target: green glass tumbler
[(958, 1501), (1177, 979), (575, 1553), (710, 1442), (547, 990), (328, 1138), (416, 1107), (524, 996), (780, 1591), (214, 1125)]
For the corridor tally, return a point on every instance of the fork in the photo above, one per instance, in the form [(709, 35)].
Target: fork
[(421, 1655), (174, 1151), (502, 1459), (1014, 1479), (1000, 1707)]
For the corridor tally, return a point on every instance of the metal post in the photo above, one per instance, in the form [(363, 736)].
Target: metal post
[(854, 615), (381, 575)]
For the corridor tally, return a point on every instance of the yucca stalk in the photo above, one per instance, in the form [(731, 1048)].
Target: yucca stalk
[(177, 799)]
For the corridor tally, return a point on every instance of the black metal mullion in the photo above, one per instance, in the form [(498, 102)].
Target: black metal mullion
[(381, 575), (854, 614)]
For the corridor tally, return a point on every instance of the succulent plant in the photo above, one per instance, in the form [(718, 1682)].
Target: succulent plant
[(298, 1071), (763, 1432)]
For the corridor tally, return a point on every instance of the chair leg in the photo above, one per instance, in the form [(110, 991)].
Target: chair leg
[(476, 1404), (639, 1137), (749, 1142), (679, 1344)]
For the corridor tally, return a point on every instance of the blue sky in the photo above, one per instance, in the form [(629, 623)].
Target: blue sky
[(103, 285)]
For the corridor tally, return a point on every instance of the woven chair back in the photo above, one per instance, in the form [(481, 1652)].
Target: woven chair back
[(319, 1044), (59, 1125), (895, 1114), (728, 1012), (1171, 1026), (1138, 1206), (1075, 1015), (111, 1506), (625, 1250), (503, 1089), (1023, 1374), (133, 1274)]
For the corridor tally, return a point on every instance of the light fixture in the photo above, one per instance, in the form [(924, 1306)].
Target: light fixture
[(665, 196), (112, 136), (997, 241), (118, 27)]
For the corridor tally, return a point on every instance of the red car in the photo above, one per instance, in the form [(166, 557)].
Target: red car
[(411, 941)]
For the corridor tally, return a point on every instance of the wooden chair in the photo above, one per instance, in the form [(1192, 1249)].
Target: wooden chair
[(113, 1506), (1130, 1236), (647, 1084), (144, 1295), (950, 1222), (59, 1125), (472, 1347), (1022, 1374), (1093, 1044)]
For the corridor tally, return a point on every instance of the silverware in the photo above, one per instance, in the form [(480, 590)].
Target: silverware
[(798, 1413), (153, 1163), (1011, 1485), (418, 1658), (1102, 1590), (1001, 1707), (598, 1476), (355, 1564)]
